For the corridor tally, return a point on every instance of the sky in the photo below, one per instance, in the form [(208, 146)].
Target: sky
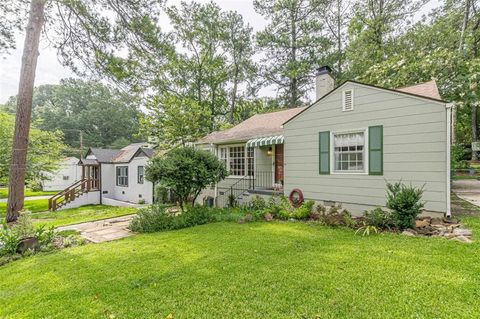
[(50, 71)]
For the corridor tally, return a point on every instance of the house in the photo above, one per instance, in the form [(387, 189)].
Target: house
[(67, 173), (342, 148), (109, 177)]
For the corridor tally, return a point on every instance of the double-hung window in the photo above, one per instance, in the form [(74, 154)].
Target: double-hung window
[(239, 160), (349, 152), (122, 176), (140, 174)]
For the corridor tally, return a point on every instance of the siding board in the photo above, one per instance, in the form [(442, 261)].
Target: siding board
[(414, 132)]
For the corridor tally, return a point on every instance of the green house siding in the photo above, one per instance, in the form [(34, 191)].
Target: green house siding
[(407, 138)]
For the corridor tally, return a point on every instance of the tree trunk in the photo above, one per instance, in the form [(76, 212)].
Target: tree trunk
[(293, 81), (464, 25), (474, 129), (24, 109), (339, 38)]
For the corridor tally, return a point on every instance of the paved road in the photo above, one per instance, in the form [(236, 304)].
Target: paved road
[(4, 200), (467, 189)]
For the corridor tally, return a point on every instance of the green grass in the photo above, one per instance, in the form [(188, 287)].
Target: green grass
[(256, 270), (459, 177), (34, 205), (80, 215), (28, 193), (41, 215)]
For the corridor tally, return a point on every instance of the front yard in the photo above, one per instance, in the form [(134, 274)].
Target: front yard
[(28, 193), (40, 214), (253, 270)]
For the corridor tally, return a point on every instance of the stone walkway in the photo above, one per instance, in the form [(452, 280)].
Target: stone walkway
[(103, 230), (467, 189)]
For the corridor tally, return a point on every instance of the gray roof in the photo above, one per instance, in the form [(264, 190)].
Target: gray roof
[(125, 155)]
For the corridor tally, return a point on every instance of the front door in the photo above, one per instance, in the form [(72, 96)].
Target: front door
[(279, 163)]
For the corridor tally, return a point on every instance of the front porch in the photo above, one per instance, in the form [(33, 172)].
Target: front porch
[(256, 168)]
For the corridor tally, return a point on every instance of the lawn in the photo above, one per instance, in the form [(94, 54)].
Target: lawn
[(33, 205), (80, 214), (28, 193), (253, 270), (41, 215)]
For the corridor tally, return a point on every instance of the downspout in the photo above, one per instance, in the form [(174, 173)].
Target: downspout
[(449, 107)]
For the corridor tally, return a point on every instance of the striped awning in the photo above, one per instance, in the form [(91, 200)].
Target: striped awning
[(262, 141)]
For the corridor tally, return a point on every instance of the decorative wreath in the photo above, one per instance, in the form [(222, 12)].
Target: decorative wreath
[(296, 197)]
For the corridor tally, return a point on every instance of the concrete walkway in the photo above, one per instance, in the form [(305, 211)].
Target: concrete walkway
[(103, 230), (4, 200), (467, 189)]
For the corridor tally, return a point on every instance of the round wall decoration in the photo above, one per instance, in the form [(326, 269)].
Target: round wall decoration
[(296, 197)]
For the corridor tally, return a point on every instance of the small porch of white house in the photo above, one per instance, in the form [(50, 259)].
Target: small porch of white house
[(255, 167)]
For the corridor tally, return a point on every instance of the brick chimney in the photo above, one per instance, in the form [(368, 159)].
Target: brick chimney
[(324, 82)]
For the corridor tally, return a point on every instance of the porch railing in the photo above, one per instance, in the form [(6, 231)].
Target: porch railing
[(70, 193), (229, 196)]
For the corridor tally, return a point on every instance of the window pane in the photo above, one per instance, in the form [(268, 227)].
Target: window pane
[(348, 151)]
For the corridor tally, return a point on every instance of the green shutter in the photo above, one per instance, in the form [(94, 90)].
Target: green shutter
[(375, 150), (324, 152)]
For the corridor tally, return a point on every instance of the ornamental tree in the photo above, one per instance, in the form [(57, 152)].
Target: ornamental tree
[(186, 171)]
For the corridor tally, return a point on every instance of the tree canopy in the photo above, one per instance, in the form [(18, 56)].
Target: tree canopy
[(45, 151), (103, 115)]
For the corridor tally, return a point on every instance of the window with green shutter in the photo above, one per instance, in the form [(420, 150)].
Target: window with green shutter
[(324, 152), (375, 150)]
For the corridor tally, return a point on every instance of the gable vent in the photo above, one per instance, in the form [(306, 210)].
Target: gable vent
[(348, 100)]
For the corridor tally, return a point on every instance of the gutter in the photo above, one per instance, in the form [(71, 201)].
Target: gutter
[(450, 107)]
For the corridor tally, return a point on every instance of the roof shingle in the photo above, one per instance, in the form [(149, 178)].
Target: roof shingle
[(259, 125)]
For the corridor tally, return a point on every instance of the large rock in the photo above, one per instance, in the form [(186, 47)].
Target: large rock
[(28, 243), (422, 223), (462, 232), (463, 239), (409, 232)]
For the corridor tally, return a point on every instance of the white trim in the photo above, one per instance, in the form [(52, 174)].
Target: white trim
[(449, 132), (244, 145), (344, 92), (365, 151)]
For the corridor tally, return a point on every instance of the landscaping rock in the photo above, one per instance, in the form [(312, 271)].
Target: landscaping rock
[(462, 232), (28, 243), (463, 239), (422, 223), (409, 232)]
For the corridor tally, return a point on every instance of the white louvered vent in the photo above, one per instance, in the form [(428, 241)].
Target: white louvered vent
[(348, 100)]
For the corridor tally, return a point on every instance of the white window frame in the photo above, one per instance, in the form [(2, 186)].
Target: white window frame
[(141, 180), (365, 151), (227, 148), (119, 176), (343, 100)]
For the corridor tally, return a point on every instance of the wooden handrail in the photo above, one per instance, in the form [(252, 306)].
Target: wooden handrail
[(70, 193)]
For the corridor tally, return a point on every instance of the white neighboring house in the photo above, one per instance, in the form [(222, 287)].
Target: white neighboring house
[(68, 173), (110, 177)]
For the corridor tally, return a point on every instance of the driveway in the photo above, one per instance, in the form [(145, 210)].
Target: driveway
[(467, 189), (103, 230)]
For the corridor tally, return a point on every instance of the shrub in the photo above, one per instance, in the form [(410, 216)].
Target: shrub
[(405, 203), (24, 226), (458, 157), (45, 236), (9, 241), (157, 218), (335, 216), (379, 218), (258, 203), (186, 171)]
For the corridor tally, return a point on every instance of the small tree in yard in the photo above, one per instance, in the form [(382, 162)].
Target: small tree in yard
[(186, 171), (405, 203)]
